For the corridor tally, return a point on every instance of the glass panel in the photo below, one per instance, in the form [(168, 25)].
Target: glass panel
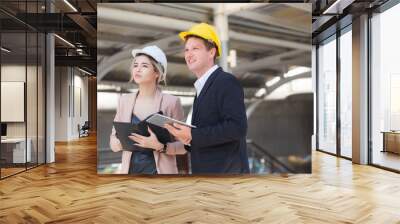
[(13, 85), (385, 89), (18, 6), (17, 9), (31, 97), (23, 86), (346, 94), (41, 98), (327, 96)]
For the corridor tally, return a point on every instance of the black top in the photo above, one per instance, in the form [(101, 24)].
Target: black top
[(142, 160)]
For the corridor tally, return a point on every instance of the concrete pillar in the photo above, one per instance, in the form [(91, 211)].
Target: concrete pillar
[(221, 25), (360, 90), (50, 98)]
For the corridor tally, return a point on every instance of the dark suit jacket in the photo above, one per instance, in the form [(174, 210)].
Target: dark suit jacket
[(219, 141)]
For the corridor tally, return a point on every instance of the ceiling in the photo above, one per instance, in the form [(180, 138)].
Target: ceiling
[(76, 25), (269, 39)]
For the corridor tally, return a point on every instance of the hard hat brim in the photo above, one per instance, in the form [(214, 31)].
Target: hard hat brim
[(184, 34), (135, 52)]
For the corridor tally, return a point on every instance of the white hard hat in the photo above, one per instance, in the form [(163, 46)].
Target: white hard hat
[(157, 54)]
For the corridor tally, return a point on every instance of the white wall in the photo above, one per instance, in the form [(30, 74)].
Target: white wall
[(80, 84), (69, 85), (61, 103), (33, 126), (12, 73)]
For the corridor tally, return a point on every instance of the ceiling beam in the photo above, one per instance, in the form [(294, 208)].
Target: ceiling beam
[(269, 41), (300, 61), (119, 38), (121, 17), (82, 61), (165, 9), (84, 24), (266, 62), (320, 22), (338, 6), (305, 7), (229, 9), (235, 21), (279, 22), (129, 18), (62, 6), (283, 81)]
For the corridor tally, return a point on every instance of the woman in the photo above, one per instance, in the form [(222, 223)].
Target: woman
[(148, 69)]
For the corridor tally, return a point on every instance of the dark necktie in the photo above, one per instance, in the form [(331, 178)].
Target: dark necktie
[(195, 98), (194, 106)]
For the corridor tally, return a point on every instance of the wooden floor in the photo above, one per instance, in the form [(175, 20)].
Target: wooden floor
[(10, 171), (70, 191), (387, 159)]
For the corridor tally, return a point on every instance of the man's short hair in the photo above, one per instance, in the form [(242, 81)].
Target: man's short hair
[(209, 44)]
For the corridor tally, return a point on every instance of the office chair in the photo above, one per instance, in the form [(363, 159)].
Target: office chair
[(84, 130)]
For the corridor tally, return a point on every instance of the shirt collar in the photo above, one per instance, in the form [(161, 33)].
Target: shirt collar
[(199, 84)]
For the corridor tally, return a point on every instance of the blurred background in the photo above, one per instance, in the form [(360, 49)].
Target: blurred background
[(266, 46)]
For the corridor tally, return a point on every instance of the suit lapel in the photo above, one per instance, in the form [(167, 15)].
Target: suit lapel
[(206, 86)]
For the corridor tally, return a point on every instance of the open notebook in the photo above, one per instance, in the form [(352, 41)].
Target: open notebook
[(124, 129)]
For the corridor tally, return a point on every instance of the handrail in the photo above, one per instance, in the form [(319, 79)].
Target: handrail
[(270, 156)]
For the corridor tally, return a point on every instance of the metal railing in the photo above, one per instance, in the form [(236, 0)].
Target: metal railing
[(270, 161)]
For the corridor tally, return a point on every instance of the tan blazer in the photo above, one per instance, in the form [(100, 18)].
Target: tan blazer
[(170, 106)]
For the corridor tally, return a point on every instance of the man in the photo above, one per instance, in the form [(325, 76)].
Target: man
[(218, 143)]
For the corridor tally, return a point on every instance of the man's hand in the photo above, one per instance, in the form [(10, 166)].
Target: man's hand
[(181, 132)]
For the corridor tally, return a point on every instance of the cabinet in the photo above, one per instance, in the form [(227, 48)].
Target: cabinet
[(13, 150), (391, 141)]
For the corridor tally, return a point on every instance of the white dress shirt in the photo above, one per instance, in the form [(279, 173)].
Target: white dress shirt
[(199, 84)]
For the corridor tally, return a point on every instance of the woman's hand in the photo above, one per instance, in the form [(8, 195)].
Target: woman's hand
[(147, 142)]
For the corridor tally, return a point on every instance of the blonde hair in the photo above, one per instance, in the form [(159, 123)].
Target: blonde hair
[(156, 66)]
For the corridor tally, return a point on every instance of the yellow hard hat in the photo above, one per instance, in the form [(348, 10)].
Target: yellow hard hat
[(204, 31)]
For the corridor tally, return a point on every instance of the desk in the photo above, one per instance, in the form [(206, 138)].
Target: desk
[(391, 141), (15, 148)]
